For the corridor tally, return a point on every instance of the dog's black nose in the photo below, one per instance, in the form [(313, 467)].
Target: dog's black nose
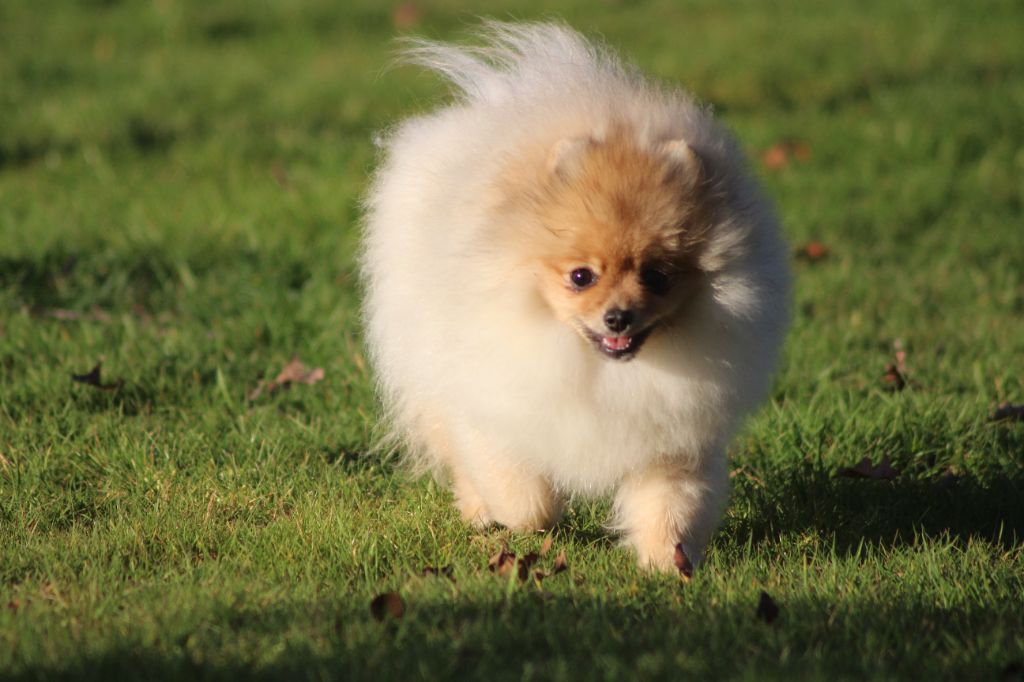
[(618, 320)]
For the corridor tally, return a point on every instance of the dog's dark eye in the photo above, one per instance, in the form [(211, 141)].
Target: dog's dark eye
[(582, 278), (656, 280)]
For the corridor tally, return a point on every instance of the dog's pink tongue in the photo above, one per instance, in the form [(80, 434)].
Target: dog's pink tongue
[(617, 342)]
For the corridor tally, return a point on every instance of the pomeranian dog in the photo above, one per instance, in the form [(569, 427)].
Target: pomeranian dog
[(573, 286)]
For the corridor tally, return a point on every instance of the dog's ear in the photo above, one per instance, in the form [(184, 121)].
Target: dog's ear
[(566, 155), (690, 165)]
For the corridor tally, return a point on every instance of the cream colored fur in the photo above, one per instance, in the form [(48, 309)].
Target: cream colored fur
[(480, 381)]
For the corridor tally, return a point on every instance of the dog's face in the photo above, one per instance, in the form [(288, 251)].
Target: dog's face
[(624, 228)]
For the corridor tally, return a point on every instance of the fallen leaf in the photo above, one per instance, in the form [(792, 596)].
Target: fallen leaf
[(298, 373), (812, 252), (901, 357), (440, 572), (683, 563), (864, 469), (545, 546), (1008, 412), (561, 564), (295, 372), (93, 379), (502, 562), (893, 378), (387, 604), (783, 152), (767, 609), (406, 15), (775, 157), (524, 564)]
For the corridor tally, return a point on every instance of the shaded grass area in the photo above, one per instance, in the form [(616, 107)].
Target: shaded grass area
[(179, 191)]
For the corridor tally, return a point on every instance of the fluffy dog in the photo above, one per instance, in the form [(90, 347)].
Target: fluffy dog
[(572, 286)]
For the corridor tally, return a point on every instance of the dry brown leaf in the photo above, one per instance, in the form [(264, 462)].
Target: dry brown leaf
[(767, 609), (893, 378), (683, 564), (4, 462), (812, 252), (502, 562), (775, 157), (505, 561), (387, 604), (900, 356), (295, 372), (895, 375), (406, 15), (865, 469), (1008, 412), (783, 152), (545, 546), (93, 379), (561, 563), (524, 564)]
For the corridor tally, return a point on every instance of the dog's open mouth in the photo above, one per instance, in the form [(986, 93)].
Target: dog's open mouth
[(619, 347)]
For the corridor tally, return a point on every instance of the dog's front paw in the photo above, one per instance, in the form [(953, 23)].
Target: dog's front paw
[(667, 558), (474, 512)]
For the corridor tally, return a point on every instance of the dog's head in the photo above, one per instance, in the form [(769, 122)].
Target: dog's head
[(622, 230)]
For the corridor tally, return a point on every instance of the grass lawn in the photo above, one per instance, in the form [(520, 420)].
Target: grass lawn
[(179, 200)]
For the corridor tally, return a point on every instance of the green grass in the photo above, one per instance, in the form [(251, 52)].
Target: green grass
[(182, 181)]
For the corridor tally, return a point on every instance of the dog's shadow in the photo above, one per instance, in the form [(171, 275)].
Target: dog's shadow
[(852, 512), (809, 499)]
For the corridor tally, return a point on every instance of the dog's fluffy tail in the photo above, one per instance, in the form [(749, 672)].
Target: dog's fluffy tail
[(517, 58)]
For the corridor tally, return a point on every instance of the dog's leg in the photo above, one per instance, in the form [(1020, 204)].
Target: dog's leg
[(471, 505), (670, 503), (443, 460), (490, 489)]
